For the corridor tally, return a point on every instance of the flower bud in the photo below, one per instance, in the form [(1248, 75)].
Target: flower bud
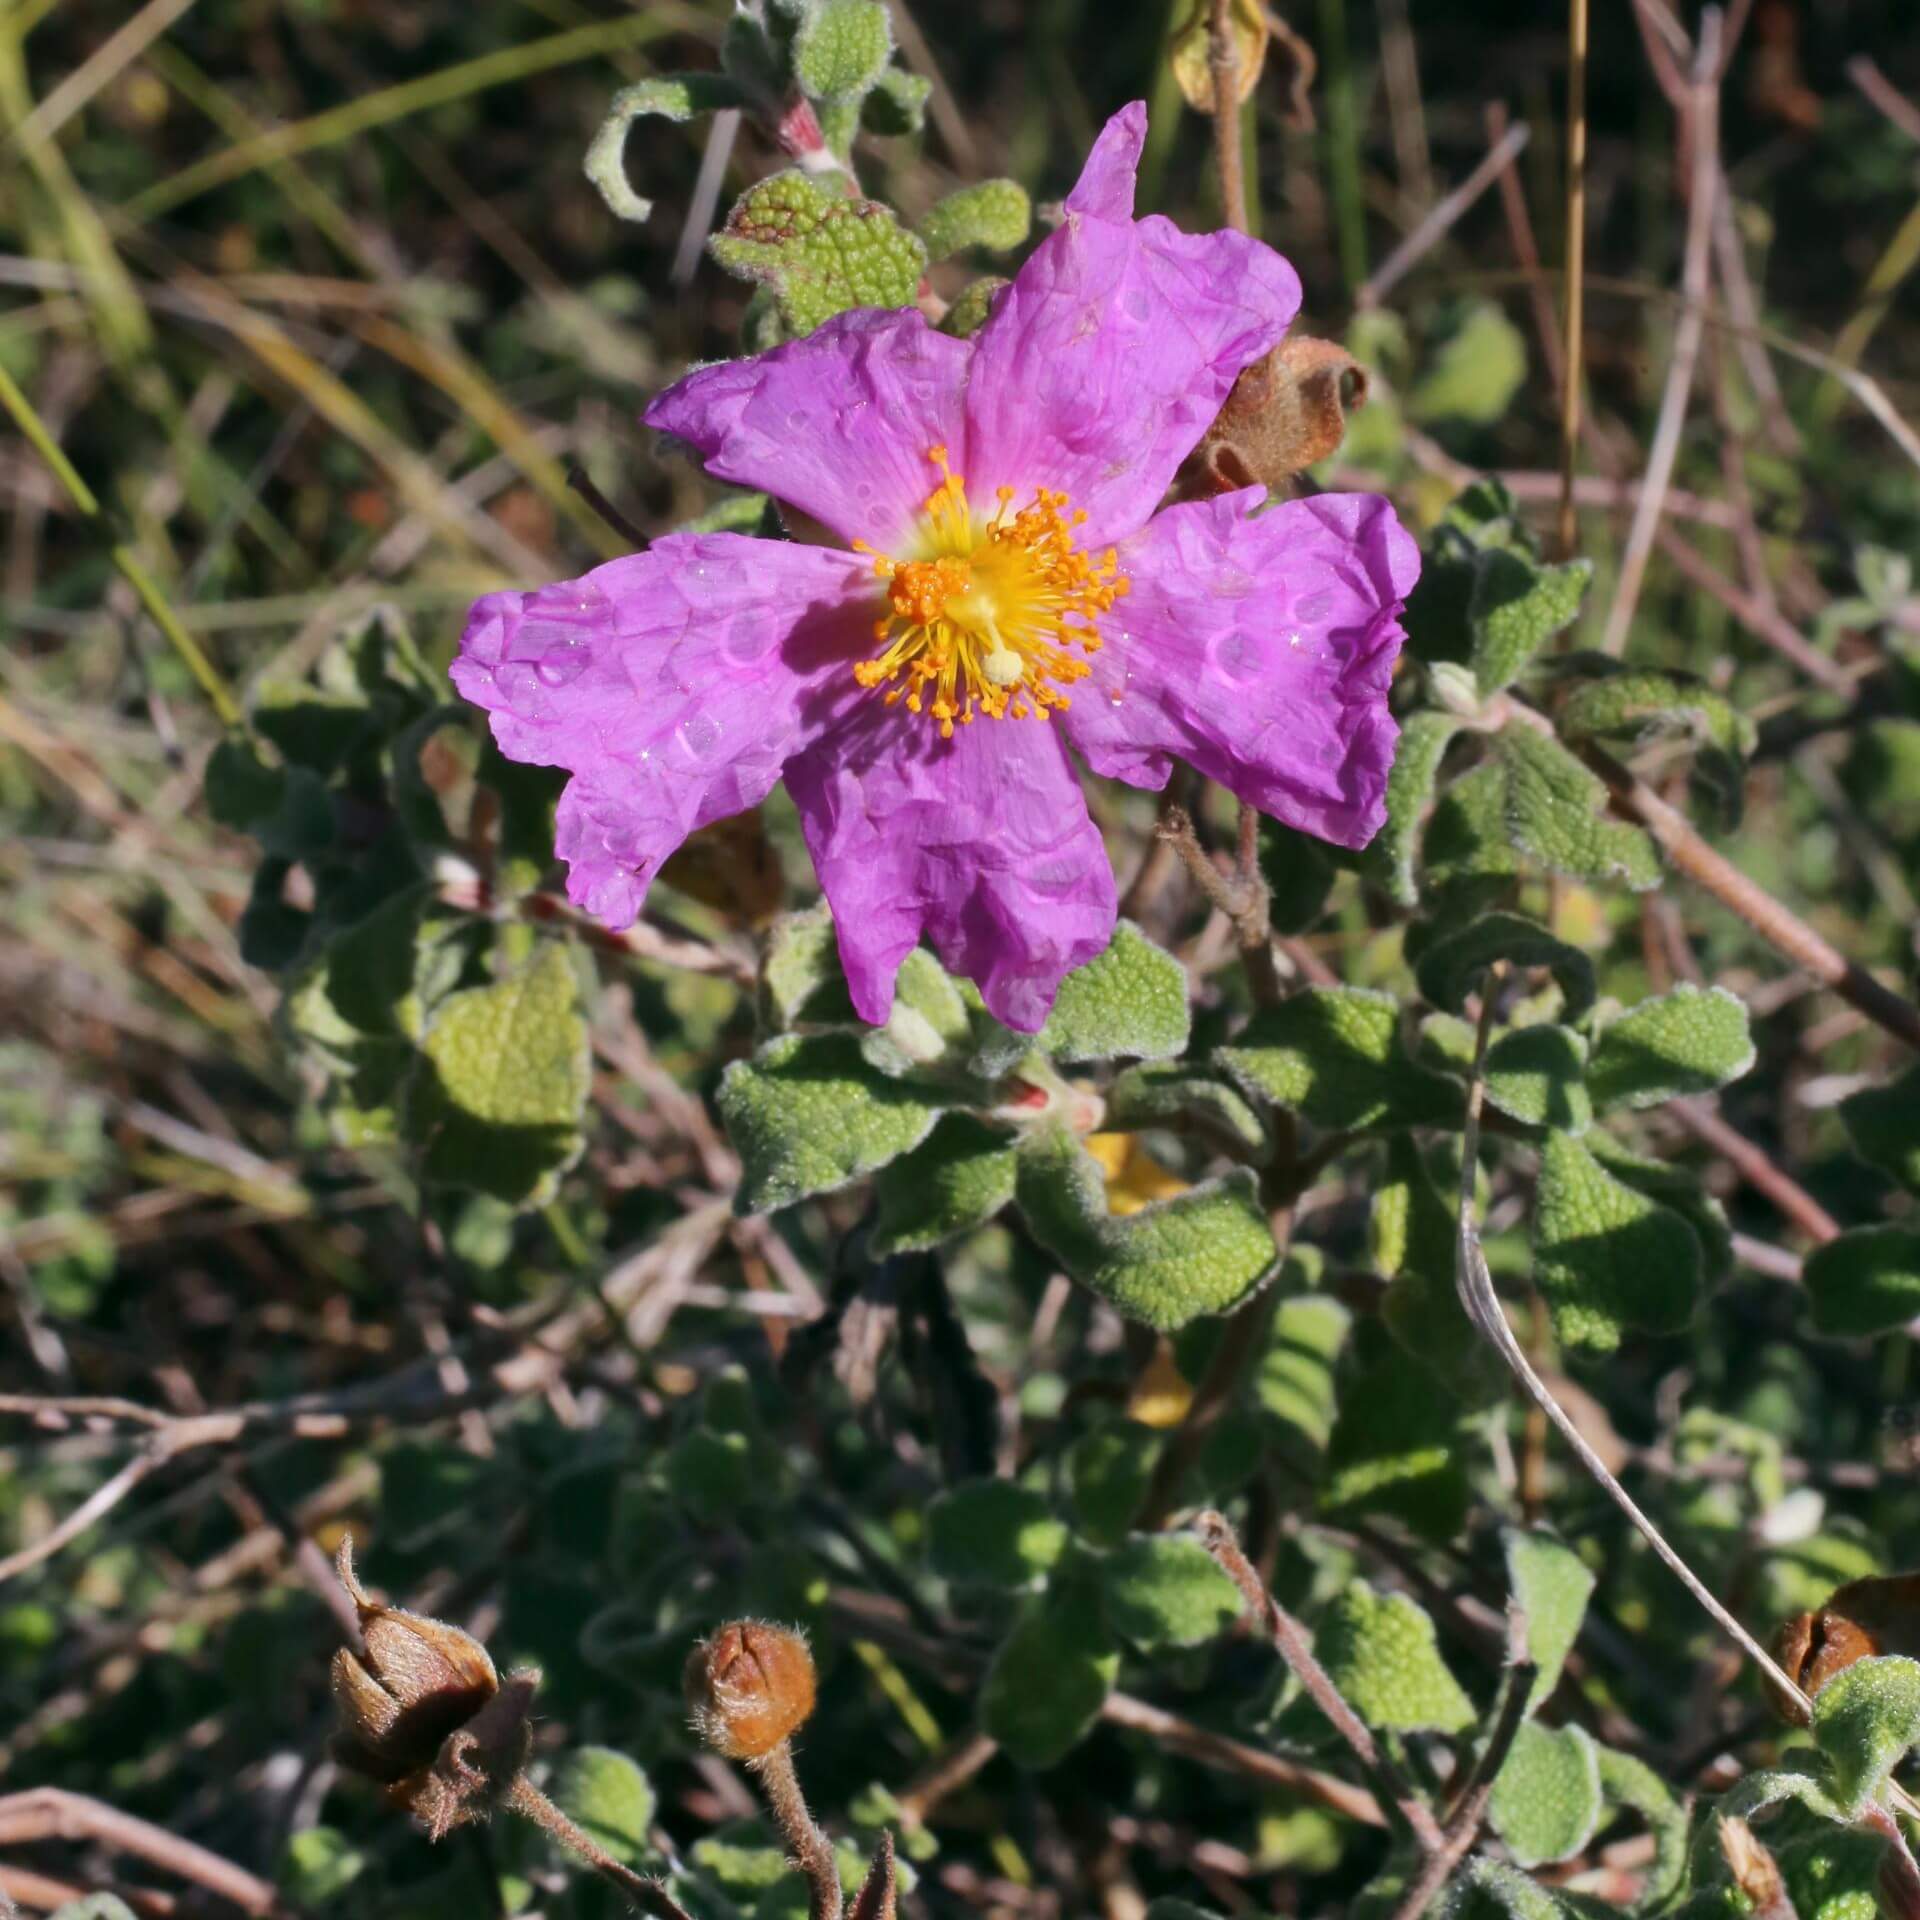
[(748, 1687), (425, 1714), (1865, 1618)]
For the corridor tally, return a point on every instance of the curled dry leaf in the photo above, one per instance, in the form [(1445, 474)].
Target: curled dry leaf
[(1285, 412)]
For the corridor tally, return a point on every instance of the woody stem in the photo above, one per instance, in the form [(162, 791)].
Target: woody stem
[(812, 1850)]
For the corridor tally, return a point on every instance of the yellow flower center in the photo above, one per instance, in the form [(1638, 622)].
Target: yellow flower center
[(989, 616)]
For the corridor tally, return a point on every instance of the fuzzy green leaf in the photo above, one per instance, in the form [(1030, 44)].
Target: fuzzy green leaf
[(808, 1114), (801, 983), (1389, 859), (1199, 1252), (1555, 815), (671, 96), (1884, 1126), (841, 49), (1864, 1720), (992, 1533), (1380, 1650), (1635, 704), (1398, 1445), (1168, 1093), (1334, 1055), (1674, 1187), (1467, 836), (1130, 1002), (1537, 1075), (1691, 1040), (995, 214), (1293, 1382), (1865, 1282), (1546, 1798), (1606, 1257), (1476, 372), (820, 251), (500, 1095), (1630, 1783), (898, 103), (611, 1797), (1166, 1590), (1552, 1585), (1450, 969), (1050, 1677), (957, 1179), (1518, 605), (1491, 1890)]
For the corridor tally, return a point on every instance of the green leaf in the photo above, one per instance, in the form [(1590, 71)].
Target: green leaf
[(1477, 371), (1677, 1187), (611, 1797), (1050, 1677), (1864, 1720), (1389, 859), (957, 1179), (992, 1533), (1518, 605), (1635, 704), (1397, 1444), (927, 1026), (317, 1866), (100, 1906), (1167, 1590), (671, 96), (1413, 1231), (1380, 1650), (1467, 836), (897, 105), (1199, 1252), (841, 49), (808, 1114), (1491, 1890), (1546, 1798), (1130, 1002), (1552, 1585), (1606, 1257), (500, 1096), (1451, 967), (995, 214), (1537, 1075), (1884, 1126), (1108, 1471), (1299, 874), (1293, 1382), (819, 250), (1554, 815), (801, 984), (1865, 1282), (1334, 1055), (1691, 1040), (1630, 1783), (973, 307), (1172, 1093)]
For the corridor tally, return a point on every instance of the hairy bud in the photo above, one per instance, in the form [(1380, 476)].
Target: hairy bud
[(1285, 412), (425, 1714), (748, 1687), (1861, 1620)]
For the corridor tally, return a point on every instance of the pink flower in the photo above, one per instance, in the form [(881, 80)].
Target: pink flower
[(1006, 589)]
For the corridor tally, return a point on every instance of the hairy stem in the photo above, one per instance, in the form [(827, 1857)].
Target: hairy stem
[(812, 1850), (648, 1895)]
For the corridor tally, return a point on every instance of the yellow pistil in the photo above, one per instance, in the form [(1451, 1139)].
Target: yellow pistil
[(989, 616)]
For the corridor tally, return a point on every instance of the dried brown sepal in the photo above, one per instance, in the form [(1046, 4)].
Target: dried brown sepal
[(1861, 1620), (1285, 412), (748, 1687), (424, 1713), (1754, 1871), (878, 1895)]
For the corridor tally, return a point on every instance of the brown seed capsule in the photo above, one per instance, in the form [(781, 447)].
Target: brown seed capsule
[(1876, 1615), (748, 1687), (1285, 412), (425, 1714)]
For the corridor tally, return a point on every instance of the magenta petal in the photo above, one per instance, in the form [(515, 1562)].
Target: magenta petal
[(674, 686), (1115, 347), (838, 424), (981, 842), (1259, 650)]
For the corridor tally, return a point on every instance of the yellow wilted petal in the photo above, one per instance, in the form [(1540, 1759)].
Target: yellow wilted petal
[(1162, 1394), (1191, 50), (1134, 1177)]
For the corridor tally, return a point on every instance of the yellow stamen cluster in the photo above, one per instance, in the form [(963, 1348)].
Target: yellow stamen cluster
[(987, 616)]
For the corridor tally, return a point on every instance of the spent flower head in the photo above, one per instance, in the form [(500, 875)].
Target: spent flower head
[(425, 1714), (1003, 589)]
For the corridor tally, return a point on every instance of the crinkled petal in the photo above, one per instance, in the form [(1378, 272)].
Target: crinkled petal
[(981, 842), (1259, 649), (1115, 347), (673, 685), (838, 424)]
